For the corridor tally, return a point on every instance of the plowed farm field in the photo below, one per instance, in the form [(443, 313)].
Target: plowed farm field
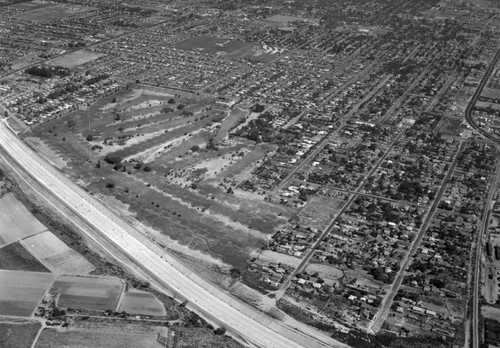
[(20, 292), (92, 293), (57, 256), (16, 222), (140, 302)]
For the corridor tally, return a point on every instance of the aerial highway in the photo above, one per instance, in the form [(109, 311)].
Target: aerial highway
[(242, 321), (477, 270), (472, 102)]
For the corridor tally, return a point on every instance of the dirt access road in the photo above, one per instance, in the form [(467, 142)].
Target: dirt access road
[(242, 321)]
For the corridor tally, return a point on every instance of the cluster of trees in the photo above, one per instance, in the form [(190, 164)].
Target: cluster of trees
[(96, 79), (258, 130), (47, 71)]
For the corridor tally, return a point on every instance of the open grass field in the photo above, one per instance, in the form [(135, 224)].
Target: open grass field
[(15, 257), (140, 302), (203, 338), (75, 59), (31, 5), (254, 53), (20, 292), (112, 335), (16, 222), (92, 293), (53, 12), (56, 255), (18, 334), (210, 44), (235, 116), (179, 192)]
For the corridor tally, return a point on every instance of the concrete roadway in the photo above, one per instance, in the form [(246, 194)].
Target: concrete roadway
[(477, 270), (241, 320), (476, 293)]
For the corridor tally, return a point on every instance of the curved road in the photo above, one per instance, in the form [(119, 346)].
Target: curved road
[(244, 321), (476, 341)]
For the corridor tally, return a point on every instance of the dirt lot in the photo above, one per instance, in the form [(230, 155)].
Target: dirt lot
[(328, 273), (56, 255), (92, 293), (20, 292), (15, 257), (18, 334), (140, 302), (16, 222)]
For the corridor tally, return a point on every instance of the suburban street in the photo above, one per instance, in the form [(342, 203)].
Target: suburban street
[(383, 311)]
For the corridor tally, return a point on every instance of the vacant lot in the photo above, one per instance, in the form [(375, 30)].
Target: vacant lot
[(18, 335), (283, 19), (16, 222), (15, 257), (321, 210), (74, 59), (140, 302), (272, 256), (92, 293), (20, 292), (210, 44), (117, 335), (56, 255), (325, 271)]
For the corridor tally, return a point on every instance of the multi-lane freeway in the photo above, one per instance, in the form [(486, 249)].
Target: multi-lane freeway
[(477, 270), (242, 321)]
